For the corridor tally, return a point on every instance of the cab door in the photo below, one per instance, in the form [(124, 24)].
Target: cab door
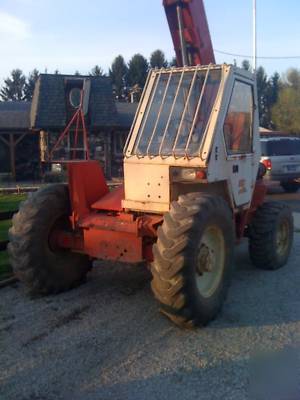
[(240, 125)]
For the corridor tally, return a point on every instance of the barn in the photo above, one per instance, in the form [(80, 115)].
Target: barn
[(55, 100)]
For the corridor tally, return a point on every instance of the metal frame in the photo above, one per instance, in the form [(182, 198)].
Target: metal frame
[(184, 111), (137, 130), (136, 145), (79, 120), (171, 112), (159, 113), (197, 112), (241, 154), (138, 112)]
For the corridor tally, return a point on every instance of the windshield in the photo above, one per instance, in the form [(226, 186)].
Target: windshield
[(282, 147), (177, 113)]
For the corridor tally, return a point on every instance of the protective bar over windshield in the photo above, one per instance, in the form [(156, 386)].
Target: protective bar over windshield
[(178, 112)]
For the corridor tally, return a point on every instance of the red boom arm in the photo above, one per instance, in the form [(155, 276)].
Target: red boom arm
[(190, 32)]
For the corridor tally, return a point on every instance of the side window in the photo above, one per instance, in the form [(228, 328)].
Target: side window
[(239, 119)]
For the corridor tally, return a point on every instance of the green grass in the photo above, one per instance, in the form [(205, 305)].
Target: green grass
[(7, 203), (10, 202)]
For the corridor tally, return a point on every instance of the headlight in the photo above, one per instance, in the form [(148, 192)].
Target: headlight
[(188, 174)]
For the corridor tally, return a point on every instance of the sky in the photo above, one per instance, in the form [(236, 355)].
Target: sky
[(76, 35)]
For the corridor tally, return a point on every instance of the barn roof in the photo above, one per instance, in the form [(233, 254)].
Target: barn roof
[(49, 109), (14, 115), (126, 113)]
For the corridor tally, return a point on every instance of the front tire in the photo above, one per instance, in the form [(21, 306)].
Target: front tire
[(42, 269), (271, 236), (193, 259)]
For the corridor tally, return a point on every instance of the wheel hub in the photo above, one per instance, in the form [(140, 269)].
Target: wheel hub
[(205, 260), (211, 260)]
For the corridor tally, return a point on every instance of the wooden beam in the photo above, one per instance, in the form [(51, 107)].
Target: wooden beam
[(4, 140), (20, 138)]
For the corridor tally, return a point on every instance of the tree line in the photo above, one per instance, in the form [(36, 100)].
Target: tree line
[(124, 76), (278, 99), (278, 96)]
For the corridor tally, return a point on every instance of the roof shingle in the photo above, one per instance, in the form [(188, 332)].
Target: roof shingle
[(14, 115), (49, 109)]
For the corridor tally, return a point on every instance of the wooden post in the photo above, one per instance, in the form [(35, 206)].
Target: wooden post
[(12, 156), (43, 146)]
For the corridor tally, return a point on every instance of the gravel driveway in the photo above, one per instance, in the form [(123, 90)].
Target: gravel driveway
[(106, 340)]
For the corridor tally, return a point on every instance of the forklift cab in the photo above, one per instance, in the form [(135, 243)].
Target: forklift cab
[(194, 125)]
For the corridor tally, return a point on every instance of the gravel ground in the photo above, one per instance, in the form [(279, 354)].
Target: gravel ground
[(106, 340)]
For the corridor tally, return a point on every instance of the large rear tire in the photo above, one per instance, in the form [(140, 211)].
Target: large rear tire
[(193, 259), (271, 236), (41, 268)]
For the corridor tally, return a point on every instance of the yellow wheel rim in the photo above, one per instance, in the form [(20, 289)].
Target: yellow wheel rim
[(282, 238)]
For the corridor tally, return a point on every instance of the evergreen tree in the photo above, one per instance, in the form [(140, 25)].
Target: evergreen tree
[(246, 65), (97, 71), (30, 84), (173, 62), (138, 70), (262, 93), (158, 59), (119, 75), (77, 73), (272, 94), (14, 86), (267, 90)]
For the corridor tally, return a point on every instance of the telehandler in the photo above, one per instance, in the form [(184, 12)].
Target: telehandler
[(192, 189)]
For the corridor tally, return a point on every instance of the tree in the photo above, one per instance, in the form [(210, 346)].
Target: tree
[(173, 62), (293, 78), (14, 86), (119, 75), (285, 113), (77, 73), (272, 94), (97, 71), (30, 84), (158, 59), (246, 65), (262, 93), (138, 70)]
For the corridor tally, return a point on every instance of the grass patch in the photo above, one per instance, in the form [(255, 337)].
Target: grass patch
[(4, 227), (7, 203), (10, 202)]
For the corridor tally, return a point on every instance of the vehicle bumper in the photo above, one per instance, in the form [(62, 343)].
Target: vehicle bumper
[(270, 176)]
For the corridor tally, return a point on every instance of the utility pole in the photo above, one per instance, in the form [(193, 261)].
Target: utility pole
[(254, 36)]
